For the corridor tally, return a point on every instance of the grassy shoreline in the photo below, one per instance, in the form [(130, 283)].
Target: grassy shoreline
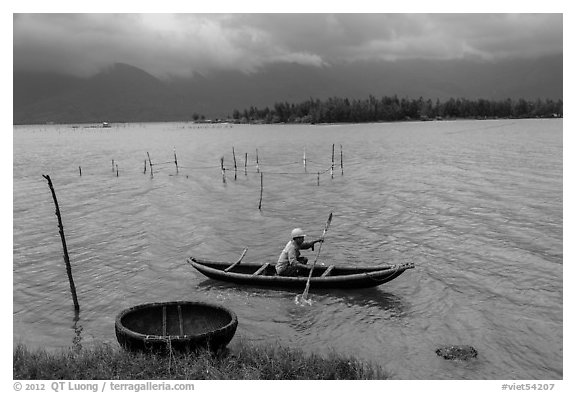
[(245, 362)]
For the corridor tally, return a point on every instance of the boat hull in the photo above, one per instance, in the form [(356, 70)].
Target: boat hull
[(339, 277)]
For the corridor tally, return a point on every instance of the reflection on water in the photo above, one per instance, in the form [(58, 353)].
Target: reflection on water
[(360, 298), (368, 298), (477, 206)]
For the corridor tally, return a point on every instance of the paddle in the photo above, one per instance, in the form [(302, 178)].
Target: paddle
[(305, 293)]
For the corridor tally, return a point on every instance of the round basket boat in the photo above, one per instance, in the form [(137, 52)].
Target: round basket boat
[(179, 326)]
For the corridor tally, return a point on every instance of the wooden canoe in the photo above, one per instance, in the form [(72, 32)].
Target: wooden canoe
[(323, 276)]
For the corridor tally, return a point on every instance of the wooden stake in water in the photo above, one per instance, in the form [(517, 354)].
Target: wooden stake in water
[(304, 160), (246, 164), (235, 168), (80, 170), (112, 165), (261, 190), (332, 167), (63, 238), (341, 160), (116, 170), (144, 166), (223, 170), (151, 168), (318, 179), (175, 161), (257, 162)]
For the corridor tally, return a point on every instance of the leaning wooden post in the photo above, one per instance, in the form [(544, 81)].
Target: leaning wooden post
[(261, 190), (66, 257), (235, 167), (150, 162), (175, 161), (223, 170), (77, 340), (332, 167)]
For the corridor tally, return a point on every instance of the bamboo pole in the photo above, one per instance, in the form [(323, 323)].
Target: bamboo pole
[(341, 160), (235, 167), (332, 167), (175, 160), (223, 170), (65, 248), (77, 340), (151, 168), (261, 190)]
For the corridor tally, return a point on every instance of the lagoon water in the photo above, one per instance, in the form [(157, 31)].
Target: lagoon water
[(476, 205)]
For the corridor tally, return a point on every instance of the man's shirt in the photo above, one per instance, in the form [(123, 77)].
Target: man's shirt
[(290, 254)]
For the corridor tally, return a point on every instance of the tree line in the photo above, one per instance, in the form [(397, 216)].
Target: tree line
[(372, 109)]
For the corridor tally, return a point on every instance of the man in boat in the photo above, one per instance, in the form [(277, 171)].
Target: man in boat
[(290, 263)]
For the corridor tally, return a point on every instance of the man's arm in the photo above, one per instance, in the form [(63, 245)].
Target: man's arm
[(293, 258), (307, 245)]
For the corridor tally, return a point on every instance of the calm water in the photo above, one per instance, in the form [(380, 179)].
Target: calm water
[(476, 205)]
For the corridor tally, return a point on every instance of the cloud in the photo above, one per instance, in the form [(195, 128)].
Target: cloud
[(181, 44)]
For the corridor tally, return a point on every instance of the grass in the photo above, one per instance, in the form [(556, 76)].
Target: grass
[(247, 362)]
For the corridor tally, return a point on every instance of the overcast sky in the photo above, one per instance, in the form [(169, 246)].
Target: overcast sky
[(180, 44)]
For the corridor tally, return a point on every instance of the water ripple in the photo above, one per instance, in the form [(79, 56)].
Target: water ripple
[(476, 206)]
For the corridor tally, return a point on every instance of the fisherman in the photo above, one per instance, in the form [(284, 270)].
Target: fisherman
[(290, 263)]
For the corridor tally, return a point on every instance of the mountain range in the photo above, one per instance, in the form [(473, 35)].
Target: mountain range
[(124, 93)]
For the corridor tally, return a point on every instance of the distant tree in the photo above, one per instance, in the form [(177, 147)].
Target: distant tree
[(337, 109)]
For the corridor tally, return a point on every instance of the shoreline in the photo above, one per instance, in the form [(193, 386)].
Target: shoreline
[(245, 362), (230, 122)]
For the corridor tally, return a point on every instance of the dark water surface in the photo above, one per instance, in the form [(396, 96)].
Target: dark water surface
[(476, 205)]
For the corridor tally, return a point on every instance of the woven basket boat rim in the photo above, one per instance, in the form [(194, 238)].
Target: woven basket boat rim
[(154, 337)]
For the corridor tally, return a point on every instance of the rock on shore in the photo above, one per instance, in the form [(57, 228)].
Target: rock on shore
[(457, 352)]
